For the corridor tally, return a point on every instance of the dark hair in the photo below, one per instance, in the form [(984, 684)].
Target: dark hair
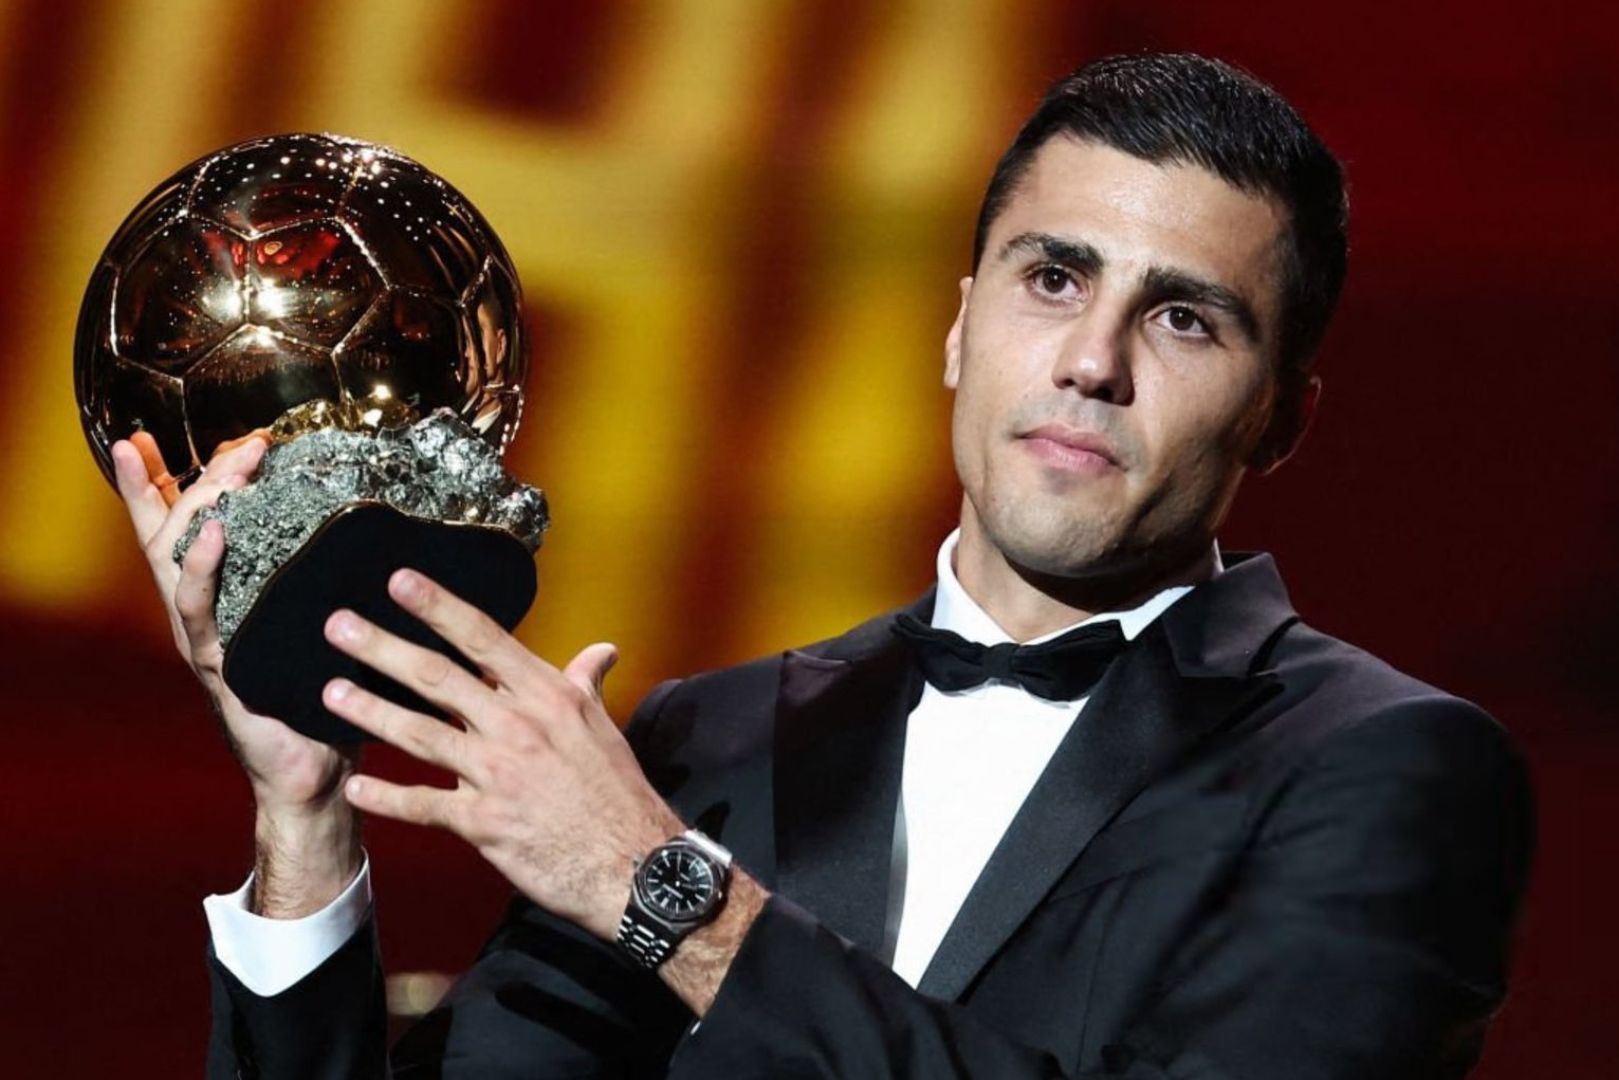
[(1188, 109)]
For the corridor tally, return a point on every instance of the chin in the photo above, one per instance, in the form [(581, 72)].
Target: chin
[(1056, 541)]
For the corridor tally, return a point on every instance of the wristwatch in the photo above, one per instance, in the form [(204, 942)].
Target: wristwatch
[(679, 886)]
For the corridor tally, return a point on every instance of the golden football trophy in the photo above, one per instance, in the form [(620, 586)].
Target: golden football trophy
[(340, 298)]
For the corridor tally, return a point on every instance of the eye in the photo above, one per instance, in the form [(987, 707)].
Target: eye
[(1049, 281), (1184, 320)]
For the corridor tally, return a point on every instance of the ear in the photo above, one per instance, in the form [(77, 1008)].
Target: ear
[(1294, 415), (952, 340)]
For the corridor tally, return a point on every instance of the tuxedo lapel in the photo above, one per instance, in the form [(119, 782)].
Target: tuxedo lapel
[(840, 745), (841, 716), (1182, 679)]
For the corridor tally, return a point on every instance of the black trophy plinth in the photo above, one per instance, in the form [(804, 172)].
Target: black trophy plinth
[(279, 661)]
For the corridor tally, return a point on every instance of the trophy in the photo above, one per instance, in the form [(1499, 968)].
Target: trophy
[(348, 304)]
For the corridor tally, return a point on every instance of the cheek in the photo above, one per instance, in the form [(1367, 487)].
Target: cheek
[(963, 444), (979, 409), (1202, 436), (1002, 372), (974, 421)]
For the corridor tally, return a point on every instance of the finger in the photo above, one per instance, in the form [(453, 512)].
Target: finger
[(262, 434), (478, 637), (227, 472), (420, 736), (238, 457), (203, 493), (145, 503), (428, 672), (589, 669), (194, 596), (156, 469), (417, 805)]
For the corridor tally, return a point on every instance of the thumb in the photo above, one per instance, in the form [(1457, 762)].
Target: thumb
[(589, 669)]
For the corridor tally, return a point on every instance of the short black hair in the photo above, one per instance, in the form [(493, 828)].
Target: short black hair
[(1188, 109)]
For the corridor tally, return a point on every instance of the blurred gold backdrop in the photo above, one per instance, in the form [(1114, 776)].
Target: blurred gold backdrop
[(738, 244), (739, 224)]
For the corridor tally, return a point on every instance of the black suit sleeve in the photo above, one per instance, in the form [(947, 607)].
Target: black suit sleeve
[(1366, 934), (330, 1025), (545, 998)]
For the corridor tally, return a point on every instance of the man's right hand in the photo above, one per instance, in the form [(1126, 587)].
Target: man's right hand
[(307, 834)]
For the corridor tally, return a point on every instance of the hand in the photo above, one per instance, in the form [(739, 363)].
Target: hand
[(288, 772), (546, 789)]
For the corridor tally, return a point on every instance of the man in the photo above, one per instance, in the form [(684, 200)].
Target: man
[(1191, 837)]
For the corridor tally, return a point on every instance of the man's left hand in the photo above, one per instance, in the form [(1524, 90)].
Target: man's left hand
[(547, 788)]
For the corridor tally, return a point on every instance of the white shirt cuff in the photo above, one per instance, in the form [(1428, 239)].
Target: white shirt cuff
[(270, 955)]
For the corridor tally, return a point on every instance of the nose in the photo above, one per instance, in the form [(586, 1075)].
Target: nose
[(1095, 357)]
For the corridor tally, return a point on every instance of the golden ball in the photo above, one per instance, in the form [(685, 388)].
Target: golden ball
[(289, 270)]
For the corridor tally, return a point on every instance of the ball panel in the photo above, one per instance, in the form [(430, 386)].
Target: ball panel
[(419, 231), (496, 328), (261, 185), (92, 337), (310, 281), (248, 381), (497, 416), (408, 345), (163, 205), (180, 296), (125, 398)]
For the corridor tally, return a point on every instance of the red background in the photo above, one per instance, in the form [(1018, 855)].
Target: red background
[(1454, 510)]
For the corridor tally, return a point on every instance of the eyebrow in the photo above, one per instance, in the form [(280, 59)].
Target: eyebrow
[(1161, 283), (1071, 253), (1158, 283)]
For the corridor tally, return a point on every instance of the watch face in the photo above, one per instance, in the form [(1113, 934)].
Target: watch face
[(677, 883)]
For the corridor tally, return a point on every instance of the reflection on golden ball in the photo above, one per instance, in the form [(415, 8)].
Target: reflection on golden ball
[(290, 270)]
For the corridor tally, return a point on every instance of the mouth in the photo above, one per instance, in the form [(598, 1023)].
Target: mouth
[(1065, 448)]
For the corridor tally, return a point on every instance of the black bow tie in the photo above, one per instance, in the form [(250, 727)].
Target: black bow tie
[(1062, 669)]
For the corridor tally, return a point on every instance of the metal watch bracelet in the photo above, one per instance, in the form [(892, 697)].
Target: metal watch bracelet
[(647, 937)]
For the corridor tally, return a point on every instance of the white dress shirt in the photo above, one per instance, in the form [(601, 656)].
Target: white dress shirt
[(270, 955), (971, 757)]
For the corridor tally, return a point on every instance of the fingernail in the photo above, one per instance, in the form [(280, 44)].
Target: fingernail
[(407, 584), (346, 626), (354, 787), (338, 689)]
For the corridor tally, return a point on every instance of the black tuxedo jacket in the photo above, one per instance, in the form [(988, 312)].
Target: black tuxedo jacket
[(1258, 853)]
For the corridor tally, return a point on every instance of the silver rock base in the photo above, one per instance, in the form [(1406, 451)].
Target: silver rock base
[(437, 468)]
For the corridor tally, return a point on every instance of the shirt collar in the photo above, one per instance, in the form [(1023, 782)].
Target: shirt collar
[(955, 611)]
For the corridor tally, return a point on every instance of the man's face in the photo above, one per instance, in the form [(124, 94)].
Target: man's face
[(1113, 361)]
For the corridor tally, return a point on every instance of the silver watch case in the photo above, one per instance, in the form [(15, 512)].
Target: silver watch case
[(719, 862)]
